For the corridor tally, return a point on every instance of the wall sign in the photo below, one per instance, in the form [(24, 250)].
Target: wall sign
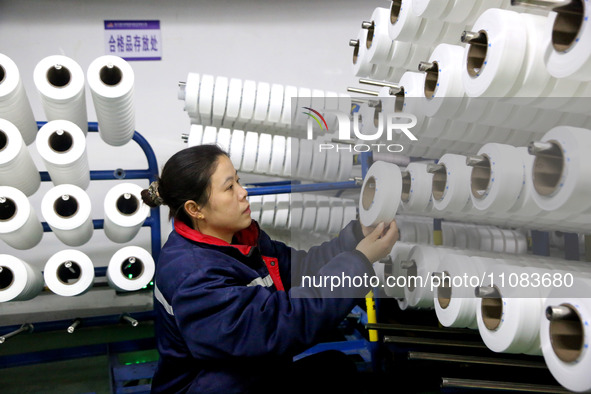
[(133, 40)]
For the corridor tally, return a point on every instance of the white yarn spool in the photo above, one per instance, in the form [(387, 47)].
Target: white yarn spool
[(309, 212), (292, 152), (275, 104), (282, 211), (565, 342), (111, 81), (304, 100), (416, 191), (497, 178), (69, 273), (489, 65), (453, 11), (509, 322), (322, 214), (526, 207), (455, 303), (60, 82), (378, 43), (210, 135), (424, 260), (250, 151), (569, 55), (124, 212), (66, 209), (256, 207), (261, 107), (318, 163), (278, 155), (249, 92), (265, 147), (233, 102), (195, 135), (14, 103), (191, 96), (451, 185), (220, 100), (331, 169), (206, 90), (380, 194), (306, 152), (290, 92), (237, 148), (17, 168), (224, 139), (62, 146), (345, 165), (560, 178), (335, 223), (268, 210), (349, 212), (394, 286), (296, 210), (361, 64), (19, 225), (131, 268), (19, 281)]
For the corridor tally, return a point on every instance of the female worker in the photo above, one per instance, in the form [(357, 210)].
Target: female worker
[(230, 315)]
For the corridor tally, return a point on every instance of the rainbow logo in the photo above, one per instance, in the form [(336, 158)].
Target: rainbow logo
[(316, 118)]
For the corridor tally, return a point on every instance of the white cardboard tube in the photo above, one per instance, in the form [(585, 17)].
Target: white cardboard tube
[(66, 209), (60, 82), (19, 225), (62, 145), (130, 269), (17, 168), (124, 212), (69, 273)]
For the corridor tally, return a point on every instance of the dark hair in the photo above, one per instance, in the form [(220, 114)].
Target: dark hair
[(185, 176)]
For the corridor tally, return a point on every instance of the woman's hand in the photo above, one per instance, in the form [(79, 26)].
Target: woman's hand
[(378, 241)]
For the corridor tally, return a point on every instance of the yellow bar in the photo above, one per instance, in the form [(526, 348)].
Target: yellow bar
[(371, 316), (437, 237)]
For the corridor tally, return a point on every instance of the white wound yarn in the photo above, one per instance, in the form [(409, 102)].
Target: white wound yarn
[(111, 82), (66, 209), (498, 181), (62, 146), (14, 103), (195, 135), (569, 363), (220, 99), (210, 135), (124, 212), (191, 97), (379, 44), (380, 194), (564, 188), (394, 286), (455, 302), (17, 168), (69, 273), (21, 281), (570, 59), (361, 64), (130, 269), (61, 85), (19, 225)]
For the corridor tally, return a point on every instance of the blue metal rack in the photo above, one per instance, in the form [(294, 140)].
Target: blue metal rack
[(153, 221)]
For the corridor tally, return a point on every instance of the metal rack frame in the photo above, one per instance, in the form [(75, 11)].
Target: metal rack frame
[(152, 221)]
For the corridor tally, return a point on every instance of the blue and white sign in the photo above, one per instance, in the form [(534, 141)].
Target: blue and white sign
[(133, 40)]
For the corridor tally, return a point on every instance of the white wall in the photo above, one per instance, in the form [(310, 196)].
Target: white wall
[(302, 43)]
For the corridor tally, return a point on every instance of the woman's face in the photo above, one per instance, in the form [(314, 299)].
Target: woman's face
[(228, 210)]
